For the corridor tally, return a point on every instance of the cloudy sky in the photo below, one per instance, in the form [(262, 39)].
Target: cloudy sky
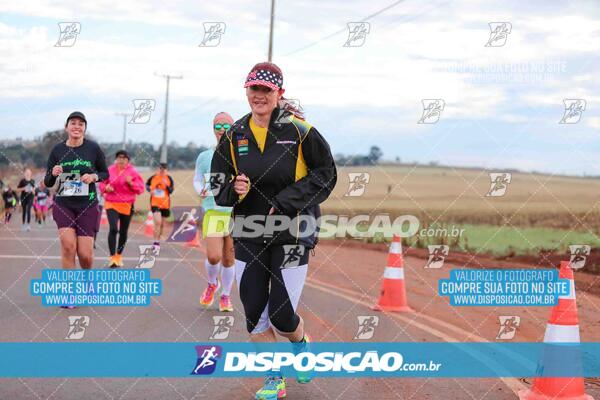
[(502, 103)]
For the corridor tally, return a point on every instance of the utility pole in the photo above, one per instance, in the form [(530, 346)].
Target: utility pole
[(124, 115), (163, 150), (271, 30)]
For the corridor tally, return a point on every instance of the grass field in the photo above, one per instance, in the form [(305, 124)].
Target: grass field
[(506, 240), (537, 211), (452, 195)]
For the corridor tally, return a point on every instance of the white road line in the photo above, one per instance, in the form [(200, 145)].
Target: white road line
[(39, 239), (512, 383), (31, 257)]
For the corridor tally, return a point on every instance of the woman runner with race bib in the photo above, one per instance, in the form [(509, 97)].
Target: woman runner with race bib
[(76, 165)]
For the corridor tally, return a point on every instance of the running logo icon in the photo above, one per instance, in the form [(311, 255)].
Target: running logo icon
[(148, 254), (68, 34), (77, 326), (437, 255), (185, 226), (574, 108), (508, 327), (432, 110), (214, 182), (286, 111), (207, 359), (366, 326), (222, 327), (358, 182), (499, 32), (357, 33), (292, 255), (499, 183), (212, 34), (142, 111), (579, 254)]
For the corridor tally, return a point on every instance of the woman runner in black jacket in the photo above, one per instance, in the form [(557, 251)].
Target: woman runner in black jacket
[(274, 167)]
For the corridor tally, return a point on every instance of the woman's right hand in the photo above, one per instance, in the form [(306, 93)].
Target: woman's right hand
[(241, 184), (57, 170)]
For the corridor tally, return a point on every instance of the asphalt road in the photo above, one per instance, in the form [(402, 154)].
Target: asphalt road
[(343, 283)]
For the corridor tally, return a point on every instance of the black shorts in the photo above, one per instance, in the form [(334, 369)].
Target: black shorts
[(164, 212)]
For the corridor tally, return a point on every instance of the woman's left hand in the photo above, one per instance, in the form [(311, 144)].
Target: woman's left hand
[(88, 178)]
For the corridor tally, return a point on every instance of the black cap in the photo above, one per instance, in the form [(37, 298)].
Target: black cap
[(77, 114), (122, 153), (162, 165)]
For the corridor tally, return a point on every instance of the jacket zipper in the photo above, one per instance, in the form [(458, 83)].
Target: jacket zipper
[(298, 227)]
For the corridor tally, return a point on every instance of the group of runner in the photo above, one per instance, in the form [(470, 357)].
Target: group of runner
[(269, 163), (29, 197)]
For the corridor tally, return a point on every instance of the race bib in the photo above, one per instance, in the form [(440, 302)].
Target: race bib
[(28, 188), (42, 201), (160, 193), (71, 185)]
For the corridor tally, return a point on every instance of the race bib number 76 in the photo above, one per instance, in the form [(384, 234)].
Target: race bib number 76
[(70, 185)]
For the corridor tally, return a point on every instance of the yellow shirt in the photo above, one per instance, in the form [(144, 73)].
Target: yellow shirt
[(260, 134)]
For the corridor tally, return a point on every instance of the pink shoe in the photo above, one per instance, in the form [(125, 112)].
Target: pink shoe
[(225, 303), (209, 294)]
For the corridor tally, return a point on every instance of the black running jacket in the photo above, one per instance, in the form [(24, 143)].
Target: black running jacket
[(295, 173)]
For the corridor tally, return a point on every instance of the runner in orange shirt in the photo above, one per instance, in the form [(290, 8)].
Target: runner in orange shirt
[(161, 186)]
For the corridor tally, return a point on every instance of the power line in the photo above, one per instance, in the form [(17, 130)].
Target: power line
[(388, 7), (195, 108)]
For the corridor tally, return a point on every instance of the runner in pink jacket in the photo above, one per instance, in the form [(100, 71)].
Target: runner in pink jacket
[(121, 188)]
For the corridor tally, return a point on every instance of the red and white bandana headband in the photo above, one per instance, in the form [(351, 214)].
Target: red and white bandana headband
[(264, 77)]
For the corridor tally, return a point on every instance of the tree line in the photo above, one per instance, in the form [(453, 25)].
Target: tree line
[(19, 154)]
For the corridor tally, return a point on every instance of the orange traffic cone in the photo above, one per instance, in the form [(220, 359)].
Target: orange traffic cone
[(393, 292), (563, 327), (104, 218), (149, 225), (195, 242)]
